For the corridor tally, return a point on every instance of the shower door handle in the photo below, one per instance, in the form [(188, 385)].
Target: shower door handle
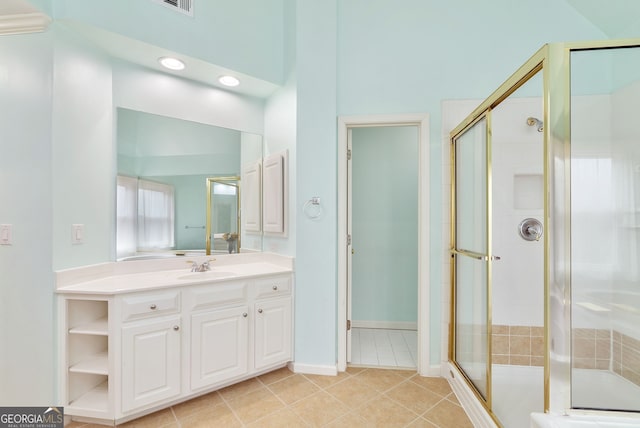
[(472, 254)]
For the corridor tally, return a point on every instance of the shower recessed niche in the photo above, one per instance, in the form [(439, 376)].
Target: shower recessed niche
[(527, 191)]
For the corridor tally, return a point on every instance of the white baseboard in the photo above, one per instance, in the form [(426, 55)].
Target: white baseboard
[(391, 325), (431, 371), (476, 412), (313, 369)]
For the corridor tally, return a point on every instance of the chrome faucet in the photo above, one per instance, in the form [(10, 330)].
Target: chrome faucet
[(203, 267)]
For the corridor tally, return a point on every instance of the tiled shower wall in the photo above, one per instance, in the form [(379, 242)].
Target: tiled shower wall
[(626, 357), (591, 348), (517, 345), (607, 350), (595, 349)]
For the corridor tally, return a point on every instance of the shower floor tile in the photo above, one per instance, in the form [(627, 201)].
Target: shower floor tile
[(384, 348)]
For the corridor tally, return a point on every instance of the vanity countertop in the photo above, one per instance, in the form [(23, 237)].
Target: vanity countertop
[(132, 276)]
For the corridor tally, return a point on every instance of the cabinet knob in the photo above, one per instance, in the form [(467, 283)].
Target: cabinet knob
[(259, 311), (176, 327), (153, 306), (244, 314), (275, 287)]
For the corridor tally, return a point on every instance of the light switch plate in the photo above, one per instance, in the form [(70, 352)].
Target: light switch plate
[(6, 234), (77, 233)]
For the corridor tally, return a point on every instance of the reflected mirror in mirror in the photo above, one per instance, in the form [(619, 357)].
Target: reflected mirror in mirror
[(164, 165), (223, 215)]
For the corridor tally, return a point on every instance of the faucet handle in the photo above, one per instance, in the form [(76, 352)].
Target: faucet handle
[(205, 265), (194, 265)]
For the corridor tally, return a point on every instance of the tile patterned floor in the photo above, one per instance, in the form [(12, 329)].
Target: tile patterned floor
[(359, 397), (384, 348)]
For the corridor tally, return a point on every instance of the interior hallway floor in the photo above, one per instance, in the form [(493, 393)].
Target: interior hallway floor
[(384, 347), (359, 397)]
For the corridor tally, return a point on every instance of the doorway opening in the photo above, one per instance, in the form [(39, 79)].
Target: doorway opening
[(378, 307)]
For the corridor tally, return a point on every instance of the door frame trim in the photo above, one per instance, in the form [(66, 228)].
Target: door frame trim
[(421, 120)]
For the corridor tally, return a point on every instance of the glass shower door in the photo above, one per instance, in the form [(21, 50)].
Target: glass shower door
[(471, 256), (605, 229)]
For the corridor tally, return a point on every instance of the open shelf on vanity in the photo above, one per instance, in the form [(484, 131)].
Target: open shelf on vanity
[(95, 364), (99, 327), (95, 399), (87, 364)]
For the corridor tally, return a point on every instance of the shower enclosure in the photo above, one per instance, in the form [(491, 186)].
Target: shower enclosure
[(545, 237)]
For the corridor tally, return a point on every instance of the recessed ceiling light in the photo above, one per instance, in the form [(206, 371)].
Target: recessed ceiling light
[(228, 81), (171, 63)]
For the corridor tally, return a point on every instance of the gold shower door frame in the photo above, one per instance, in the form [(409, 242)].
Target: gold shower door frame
[(529, 69), (482, 255), (554, 61)]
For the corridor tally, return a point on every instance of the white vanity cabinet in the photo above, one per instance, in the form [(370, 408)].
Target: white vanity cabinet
[(130, 353), (150, 353), (273, 321), (219, 334), (238, 328)]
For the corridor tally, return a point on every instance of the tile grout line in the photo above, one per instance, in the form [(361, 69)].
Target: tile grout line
[(324, 389), (233, 412), (275, 395), (420, 415), (175, 417), (321, 389)]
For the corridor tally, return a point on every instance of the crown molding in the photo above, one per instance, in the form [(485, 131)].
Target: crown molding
[(21, 23)]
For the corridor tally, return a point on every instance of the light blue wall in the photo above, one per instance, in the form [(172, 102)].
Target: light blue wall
[(241, 35), (316, 262), (26, 277), (142, 89), (385, 224), (83, 159), (404, 58), (280, 130)]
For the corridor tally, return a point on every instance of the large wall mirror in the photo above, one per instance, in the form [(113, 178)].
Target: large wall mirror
[(173, 175)]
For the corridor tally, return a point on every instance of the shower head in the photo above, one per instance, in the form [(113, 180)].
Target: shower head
[(532, 121)]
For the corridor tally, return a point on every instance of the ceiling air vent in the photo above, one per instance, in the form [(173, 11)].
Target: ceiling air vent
[(182, 6)]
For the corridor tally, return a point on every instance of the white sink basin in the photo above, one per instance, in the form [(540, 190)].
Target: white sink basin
[(210, 274)]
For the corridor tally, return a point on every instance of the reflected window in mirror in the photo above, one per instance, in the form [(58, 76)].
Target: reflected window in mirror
[(126, 216), (156, 214), (145, 216)]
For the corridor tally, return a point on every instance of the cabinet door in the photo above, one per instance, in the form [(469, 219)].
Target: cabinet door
[(219, 341), (273, 332), (273, 194), (150, 363), (252, 197)]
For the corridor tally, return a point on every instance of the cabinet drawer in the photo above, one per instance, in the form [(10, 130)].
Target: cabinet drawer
[(150, 304), (206, 296), (272, 287)]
